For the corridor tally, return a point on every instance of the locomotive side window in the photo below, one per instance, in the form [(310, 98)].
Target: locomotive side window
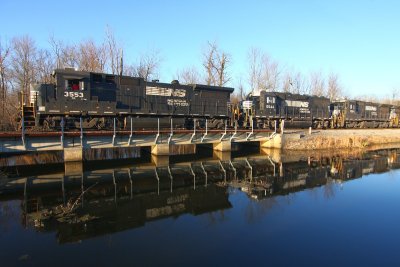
[(73, 84)]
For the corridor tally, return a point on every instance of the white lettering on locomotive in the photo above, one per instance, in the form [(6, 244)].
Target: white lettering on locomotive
[(304, 110), (270, 100), (162, 91), (177, 102), (370, 108), (73, 95), (296, 103)]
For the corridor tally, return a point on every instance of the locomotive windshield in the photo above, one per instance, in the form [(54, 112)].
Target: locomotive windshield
[(73, 85)]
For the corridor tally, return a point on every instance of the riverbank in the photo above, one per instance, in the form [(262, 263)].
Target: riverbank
[(346, 139)]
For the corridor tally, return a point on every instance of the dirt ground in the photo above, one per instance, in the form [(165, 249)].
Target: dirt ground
[(348, 138)]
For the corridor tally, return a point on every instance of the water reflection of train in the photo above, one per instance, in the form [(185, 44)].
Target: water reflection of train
[(111, 200), (266, 178)]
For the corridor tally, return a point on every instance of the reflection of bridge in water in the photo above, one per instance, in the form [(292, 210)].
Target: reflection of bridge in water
[(80, 204)]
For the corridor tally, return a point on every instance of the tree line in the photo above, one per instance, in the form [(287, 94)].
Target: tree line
[(22, 63)]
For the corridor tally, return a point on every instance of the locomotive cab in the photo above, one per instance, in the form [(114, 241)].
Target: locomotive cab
[(268, 104)]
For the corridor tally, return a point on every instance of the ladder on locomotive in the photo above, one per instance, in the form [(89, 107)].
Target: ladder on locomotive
[(28, 111)]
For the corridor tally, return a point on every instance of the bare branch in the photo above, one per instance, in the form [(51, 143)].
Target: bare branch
[(148, 65), (317, 83), (334, 89), (23, 62), (189, 76), (216, 64), (263, 72)]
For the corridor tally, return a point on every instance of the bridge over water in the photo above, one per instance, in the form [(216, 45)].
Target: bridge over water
[(161, 142)]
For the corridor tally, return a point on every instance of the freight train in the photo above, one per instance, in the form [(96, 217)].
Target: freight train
[(79, 99)]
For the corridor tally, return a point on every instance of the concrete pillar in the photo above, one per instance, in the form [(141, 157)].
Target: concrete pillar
[(160, 149), (73, 154), (274, 142), (222, 146)]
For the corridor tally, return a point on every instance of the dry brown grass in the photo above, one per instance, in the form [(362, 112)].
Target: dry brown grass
[(349, 139)]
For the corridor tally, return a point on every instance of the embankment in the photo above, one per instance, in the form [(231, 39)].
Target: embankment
[(343, 139)]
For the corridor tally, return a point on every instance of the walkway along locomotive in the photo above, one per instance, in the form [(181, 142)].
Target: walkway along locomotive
[(98, 98)]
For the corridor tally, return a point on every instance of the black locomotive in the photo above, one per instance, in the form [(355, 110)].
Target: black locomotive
[(93, 100), (361, 114), (88, 100), (270, 109), (299, 111)]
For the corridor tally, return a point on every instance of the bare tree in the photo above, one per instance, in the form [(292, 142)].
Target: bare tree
[(241, 93), (189, 75), (45, 65), (114, 51), (221, 69), (65, 56), (270, 74), (300, 84), (317, 84), (263, 71), (334, 89), (148, 66), (287, 83), (70, 57), (209, 63), (129, 70), (216, 64), (91, 57), (57, 47), (23, 63), (255, 68), (5, 52)]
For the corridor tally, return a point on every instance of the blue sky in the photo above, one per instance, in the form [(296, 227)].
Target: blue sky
[(359, 40)]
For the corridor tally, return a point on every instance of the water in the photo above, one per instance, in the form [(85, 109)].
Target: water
[(310, 211)]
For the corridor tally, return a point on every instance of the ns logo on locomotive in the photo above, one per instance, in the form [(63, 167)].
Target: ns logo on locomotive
[(95, 100)]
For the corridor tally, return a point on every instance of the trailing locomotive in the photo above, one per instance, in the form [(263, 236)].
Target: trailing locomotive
[(93, 100), (361, 114), (270, 109)]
